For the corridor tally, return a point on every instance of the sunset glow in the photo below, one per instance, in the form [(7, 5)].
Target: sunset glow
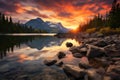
[(69, 12)]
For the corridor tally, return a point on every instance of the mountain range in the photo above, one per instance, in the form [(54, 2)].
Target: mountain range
[(47, 26)]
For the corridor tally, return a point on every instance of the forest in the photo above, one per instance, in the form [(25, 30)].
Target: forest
[(8, 26), (110, 22)]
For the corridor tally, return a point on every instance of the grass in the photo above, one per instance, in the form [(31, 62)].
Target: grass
[(104, 30)]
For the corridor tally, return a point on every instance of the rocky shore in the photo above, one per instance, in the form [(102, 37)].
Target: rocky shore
[(100, 54)]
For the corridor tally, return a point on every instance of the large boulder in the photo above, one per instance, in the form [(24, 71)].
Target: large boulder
[(77, 55), (61, 55), (74, 71), (101, 43), (83, 50), (49, 62), (84, 63), (95, 51), (113, 50), (79, 49), (93, 75), (114, 68), (69, 44), (74, 49)]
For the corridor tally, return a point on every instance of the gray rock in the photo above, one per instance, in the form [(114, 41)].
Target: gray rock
[(114, 68), (112, 50), (49, 62), (23, 77), (84, 63), (74, 71), (80, 49), (83, 50), (95, 51), (101, 44), (74, 49), (93, 75), (100, 35), (113, 76), (77, 55), (84, 66)]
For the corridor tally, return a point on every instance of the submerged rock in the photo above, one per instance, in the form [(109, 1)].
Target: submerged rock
[(50, 62), (69, 44), (59, 63), (61, 55)]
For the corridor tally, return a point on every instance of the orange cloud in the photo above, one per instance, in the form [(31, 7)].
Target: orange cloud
[(19, 8), (69, 12)]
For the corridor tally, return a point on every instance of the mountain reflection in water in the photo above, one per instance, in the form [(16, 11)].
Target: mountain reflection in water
[(22, 56)]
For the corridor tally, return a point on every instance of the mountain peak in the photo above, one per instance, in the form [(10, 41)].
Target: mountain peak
[(39, 19), (47, 26)]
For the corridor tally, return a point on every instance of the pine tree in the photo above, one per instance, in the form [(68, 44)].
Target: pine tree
[(114, 15)]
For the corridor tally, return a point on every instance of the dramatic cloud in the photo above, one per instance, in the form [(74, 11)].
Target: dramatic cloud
[(69, 12)]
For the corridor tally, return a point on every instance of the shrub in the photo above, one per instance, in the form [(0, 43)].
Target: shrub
[(108, 30), (91, 30), (105, 30)]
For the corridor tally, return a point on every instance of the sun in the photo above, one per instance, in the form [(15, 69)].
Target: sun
[(75, 30)]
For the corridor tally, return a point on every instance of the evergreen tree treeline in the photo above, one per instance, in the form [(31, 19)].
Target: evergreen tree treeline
[(7, 26), (112, 19)]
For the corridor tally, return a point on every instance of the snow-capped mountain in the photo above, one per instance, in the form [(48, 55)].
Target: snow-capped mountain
[(48, 26)]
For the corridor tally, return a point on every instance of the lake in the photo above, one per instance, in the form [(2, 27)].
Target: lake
[(22, 56)]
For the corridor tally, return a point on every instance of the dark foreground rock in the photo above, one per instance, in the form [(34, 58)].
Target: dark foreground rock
[(77, 55), (69, 44), (99, 58), (49, 62), (61, 55), (94, 51), (59, 63), (93, 75), (101, 43), (74, 72)]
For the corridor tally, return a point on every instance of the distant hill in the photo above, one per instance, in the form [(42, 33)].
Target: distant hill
[(47, 26)]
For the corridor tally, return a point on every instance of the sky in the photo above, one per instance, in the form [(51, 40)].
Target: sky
[(71, 13)]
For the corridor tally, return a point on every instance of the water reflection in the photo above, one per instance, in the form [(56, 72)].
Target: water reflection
[(8, 43), (45, 41), (26, 55)]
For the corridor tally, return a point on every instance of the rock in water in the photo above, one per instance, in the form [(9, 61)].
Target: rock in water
[(61, 55), (49, 62), (69, 44), (74, 71), (74, 49), (59, 63)]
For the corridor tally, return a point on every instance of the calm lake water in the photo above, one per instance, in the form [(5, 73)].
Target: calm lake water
[(21, 57)]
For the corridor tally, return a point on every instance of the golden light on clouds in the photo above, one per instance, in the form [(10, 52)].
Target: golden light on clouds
[(70, 13)]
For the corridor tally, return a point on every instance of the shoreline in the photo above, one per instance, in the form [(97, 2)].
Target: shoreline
[(100, 54), (28, 34)]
